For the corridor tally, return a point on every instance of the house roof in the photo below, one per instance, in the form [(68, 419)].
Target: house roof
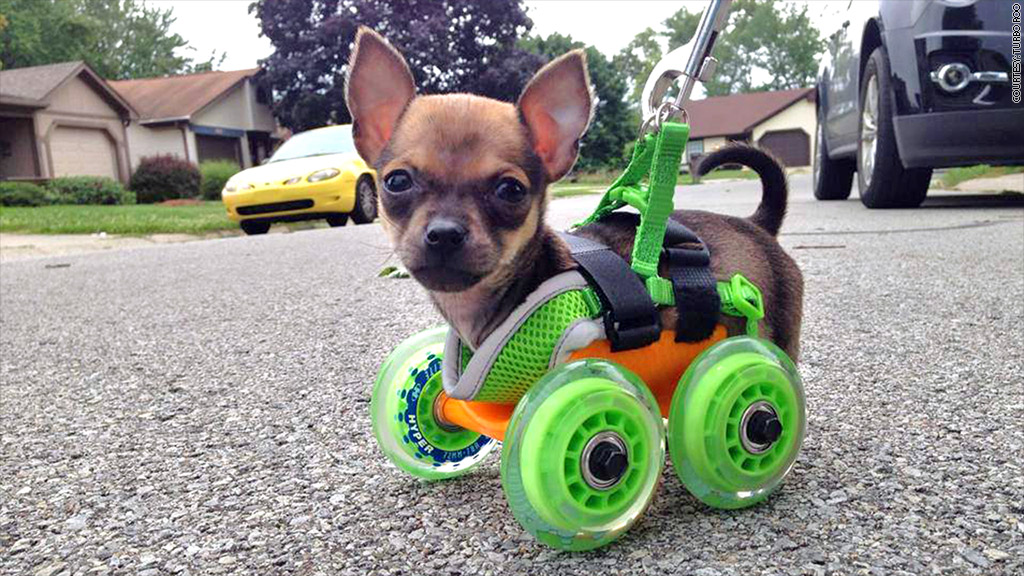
[(33, 86), (739, 113), (178, 97)]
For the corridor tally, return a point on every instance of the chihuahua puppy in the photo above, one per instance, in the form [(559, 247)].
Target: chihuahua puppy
[(463, 194)]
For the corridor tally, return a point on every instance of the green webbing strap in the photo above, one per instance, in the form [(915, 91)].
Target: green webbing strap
[(526, 353), (656, 156), (626, 186), (661, 187)]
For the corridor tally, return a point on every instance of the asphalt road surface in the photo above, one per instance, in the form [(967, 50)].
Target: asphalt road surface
[(202, 408)]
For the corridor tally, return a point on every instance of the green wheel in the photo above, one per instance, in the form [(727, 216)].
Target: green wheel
[(736, 422), (582, 455), (402, 411)]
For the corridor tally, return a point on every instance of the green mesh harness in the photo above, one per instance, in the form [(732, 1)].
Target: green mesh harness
[(511, 359), (527, 355)]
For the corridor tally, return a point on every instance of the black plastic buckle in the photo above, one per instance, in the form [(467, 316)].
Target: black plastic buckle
[(632, 333), (683, 256)]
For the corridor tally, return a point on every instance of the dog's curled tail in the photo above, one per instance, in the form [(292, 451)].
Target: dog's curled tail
[(774, 189)]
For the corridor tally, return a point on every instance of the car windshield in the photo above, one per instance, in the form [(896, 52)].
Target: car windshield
[(335, 140)]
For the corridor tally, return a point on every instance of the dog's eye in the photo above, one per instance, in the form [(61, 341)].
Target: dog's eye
[(398, 181), (510, 190)]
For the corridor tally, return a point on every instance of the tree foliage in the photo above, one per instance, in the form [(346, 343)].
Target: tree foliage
[(136, 41), (34, 33), (612, 126), (635, 62), (763, 39), (451, 46), (119, 38)]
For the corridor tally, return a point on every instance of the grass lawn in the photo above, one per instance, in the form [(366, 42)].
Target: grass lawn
[(567, 189), (599, 182), (207, 217), (129, 220), (955, 176)]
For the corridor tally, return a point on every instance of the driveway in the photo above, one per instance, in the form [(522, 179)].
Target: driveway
[(202, 408)]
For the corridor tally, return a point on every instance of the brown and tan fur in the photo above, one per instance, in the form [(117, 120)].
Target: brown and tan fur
[(457, 150)]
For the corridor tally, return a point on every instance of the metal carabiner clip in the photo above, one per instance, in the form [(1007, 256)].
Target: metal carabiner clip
[(692, 61)]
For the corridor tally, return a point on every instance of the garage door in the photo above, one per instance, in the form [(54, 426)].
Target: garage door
[(793, 147), (83, 152), (218, 148)]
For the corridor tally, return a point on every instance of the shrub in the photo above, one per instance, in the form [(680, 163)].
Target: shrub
[(954, 176), (24, 194), (166, 177), (89, 190), (215, 175)]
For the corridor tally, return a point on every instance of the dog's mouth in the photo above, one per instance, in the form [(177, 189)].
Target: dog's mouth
[(444, 278)]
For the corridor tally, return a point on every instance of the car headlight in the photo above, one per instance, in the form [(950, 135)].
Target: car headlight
[(233, 187), (294, 180), (325, 174)]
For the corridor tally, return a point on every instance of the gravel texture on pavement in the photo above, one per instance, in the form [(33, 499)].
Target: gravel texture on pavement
[(203, 408)]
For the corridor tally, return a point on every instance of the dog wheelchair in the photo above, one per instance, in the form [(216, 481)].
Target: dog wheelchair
[(583, 387)]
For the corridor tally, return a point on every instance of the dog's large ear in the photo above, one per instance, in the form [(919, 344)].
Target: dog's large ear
[(556, 106), (378, 88)]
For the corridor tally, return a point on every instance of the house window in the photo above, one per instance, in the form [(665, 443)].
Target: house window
[(694, 147)]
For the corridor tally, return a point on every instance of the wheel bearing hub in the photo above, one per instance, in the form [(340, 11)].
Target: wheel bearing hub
[(759, 427), (439, 418), (604, 460)]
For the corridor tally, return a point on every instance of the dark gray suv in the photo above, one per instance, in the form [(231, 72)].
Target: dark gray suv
[(911, 85)]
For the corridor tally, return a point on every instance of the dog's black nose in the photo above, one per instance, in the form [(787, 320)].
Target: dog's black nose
[(445, 235)]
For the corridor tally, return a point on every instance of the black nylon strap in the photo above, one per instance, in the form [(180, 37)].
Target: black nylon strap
[(694, 287), (631, 317), (676, 233)]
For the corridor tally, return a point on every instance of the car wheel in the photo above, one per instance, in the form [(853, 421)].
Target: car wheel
[(881, 177), (337, 220), (831, 179), (253, 228), (365, 210)]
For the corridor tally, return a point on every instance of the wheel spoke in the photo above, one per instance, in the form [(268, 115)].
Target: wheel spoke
[(873, 98), (869, 129)]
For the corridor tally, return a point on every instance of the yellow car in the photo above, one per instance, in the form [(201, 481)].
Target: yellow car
[(315, 174)]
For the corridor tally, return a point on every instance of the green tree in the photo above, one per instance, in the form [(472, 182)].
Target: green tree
[(635, 62), (450, 45), (613, 126), (780, 41), (792, 60), (118, 38), (681, 26), (137, 41), (42, 32)]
